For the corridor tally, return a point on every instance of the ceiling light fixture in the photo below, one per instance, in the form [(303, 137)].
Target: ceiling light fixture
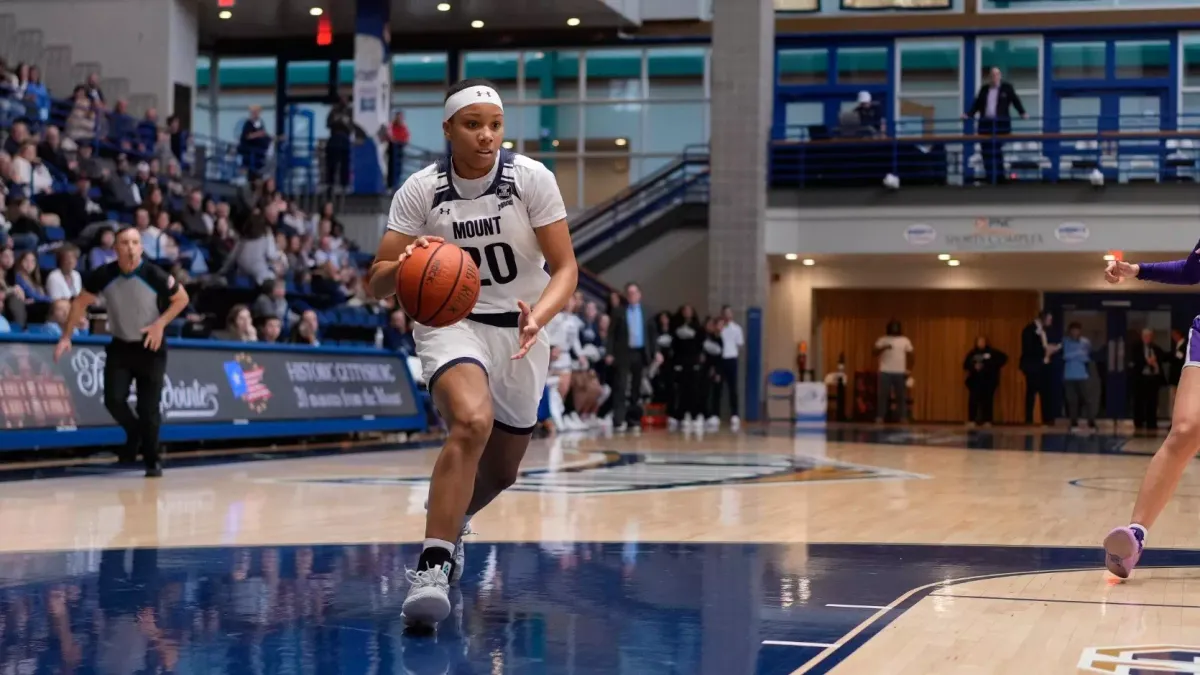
[(476, 24), (791, 256), (554, 142), (572, 22), (809, 262), (443, 7), (316, 11), (943, 257), (507, 145), (954, 263), (1109, 257), (621, 142), (225, 14)]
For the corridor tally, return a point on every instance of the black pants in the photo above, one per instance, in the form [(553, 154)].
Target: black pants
[(992, 149), (1145, 402), (627, 375), (981, 402), (337, 163), (125, 364), (1037, 385), (395, 164), (689, 391), (729, 379)]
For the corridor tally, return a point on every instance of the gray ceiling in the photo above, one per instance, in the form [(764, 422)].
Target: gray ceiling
[(273, 19)]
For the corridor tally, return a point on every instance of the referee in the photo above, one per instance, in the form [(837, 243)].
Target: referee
[(141, 299)]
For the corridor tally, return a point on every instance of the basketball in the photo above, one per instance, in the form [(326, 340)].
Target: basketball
[(438, 285)]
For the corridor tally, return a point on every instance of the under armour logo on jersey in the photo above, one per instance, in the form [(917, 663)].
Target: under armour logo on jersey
[(443, 211)]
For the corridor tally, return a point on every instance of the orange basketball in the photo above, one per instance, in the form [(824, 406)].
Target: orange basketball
[(438, 285)]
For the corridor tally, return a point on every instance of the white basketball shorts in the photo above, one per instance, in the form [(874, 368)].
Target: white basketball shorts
[(516, 386)]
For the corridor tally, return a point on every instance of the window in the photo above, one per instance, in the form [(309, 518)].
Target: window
[(1189, 86), (862, 65), (801, 67), (1079, 60), (1142, 59), (929, 92)]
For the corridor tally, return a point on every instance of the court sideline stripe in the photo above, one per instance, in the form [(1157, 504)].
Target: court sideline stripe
[(788, 643), (832, 604), (1065, 601), (859, 635)]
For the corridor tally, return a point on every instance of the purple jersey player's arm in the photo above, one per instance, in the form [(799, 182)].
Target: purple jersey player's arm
[(1184, 272)]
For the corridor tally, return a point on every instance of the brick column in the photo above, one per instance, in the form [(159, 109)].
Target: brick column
[(743, 43)]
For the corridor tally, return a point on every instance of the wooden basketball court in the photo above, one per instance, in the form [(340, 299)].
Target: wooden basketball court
[(859, 550)]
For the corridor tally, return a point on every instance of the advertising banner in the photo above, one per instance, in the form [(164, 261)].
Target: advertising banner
[(205, 385)]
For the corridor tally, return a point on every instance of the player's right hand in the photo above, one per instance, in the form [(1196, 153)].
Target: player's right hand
[(1118, 270), (63, 346), (423, 242)]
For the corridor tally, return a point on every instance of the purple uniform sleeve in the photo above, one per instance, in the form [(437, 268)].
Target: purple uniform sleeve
[(1184, 272)]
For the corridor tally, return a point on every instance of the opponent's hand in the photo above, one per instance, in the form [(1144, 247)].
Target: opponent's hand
[(527, 328), (423, 242), (1118, 270), (154, 336), (63, 346)]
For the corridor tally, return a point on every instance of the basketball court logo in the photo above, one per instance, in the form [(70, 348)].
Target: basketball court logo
[(614, 472), (1141, 660)]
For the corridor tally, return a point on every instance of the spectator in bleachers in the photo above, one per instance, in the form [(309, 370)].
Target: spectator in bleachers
[(255, 255), (33, 177), (86, 163), (4, 325), (147, 128), (52, 153), (37, 94), (25, 228), (78, 210), (192, 217), (338, 146), (122, 128), (27, 275), (208, 213), (178, 137), (222, 243), (270, 330), (306, 330), (12, 298), (8, 78), (81, 123), (56, 320), (399, 143), (153, 201), (254, 143), (64, 282), (297, 255), (18, 134), (162, 151), (239, 326), (117, 190), (397, 336), (273, 302), (172, 181), (153, 241), (104, 251), (93, 91)]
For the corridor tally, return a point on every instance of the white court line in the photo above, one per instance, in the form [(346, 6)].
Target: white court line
[(785, 643), (857, 606)]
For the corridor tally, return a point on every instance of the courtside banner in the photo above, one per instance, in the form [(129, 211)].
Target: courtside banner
[(229, 385)]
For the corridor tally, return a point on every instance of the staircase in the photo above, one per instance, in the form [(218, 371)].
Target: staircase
[(60, 73), (673, 197)]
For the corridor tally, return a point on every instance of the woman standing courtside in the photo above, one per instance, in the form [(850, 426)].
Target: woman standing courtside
[(983, 364)]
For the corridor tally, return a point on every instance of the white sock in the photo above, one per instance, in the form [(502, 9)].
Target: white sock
[(440, 543), (1135, 526)]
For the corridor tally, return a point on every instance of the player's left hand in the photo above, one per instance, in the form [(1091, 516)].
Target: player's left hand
[(527, 328)]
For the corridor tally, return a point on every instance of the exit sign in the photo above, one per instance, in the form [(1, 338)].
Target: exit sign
[(225, 3)]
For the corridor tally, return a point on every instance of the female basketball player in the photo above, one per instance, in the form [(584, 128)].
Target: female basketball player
[(1123, 546), (487, 372)]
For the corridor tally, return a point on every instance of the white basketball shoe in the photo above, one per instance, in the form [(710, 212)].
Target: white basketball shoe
[(428, 600), (460, 554)]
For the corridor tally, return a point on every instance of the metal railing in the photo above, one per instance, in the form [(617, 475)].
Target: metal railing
[(1091, 148)]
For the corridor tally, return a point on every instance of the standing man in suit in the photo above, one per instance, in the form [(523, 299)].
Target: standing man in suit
[(1146, 366), (1036, 352), (992, 105), (631, 340)]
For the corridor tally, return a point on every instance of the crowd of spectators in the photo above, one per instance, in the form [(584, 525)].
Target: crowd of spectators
[(608, 367), (257, 266)]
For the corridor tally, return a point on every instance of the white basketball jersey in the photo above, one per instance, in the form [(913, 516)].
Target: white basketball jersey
[(496, 228)]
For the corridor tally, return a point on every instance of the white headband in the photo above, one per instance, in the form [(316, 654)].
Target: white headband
[(471, 96)]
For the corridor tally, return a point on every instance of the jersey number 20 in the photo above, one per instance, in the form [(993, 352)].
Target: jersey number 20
[(502, 271)]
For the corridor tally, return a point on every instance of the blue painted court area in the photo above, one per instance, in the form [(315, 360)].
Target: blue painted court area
[(523, 608)]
